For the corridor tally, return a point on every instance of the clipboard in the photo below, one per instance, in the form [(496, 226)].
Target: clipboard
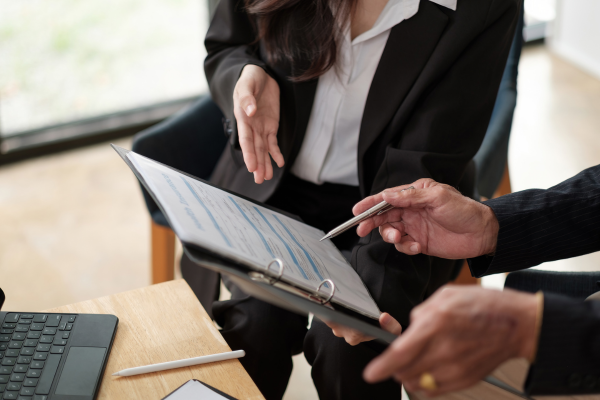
[(266, 285)]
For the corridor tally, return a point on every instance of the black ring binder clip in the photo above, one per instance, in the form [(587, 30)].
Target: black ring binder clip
[(263, 277), (324, 281)]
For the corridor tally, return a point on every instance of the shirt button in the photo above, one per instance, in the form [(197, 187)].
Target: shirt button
[(575, 380), (589, 382)]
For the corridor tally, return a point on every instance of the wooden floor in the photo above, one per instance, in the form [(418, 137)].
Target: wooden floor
[(73, 226)]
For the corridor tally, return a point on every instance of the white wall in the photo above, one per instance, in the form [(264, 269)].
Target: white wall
[(575, 33)]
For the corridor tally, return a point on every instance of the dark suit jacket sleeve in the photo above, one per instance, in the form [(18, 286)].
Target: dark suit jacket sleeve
[(230, 46), (538, 226), (568, 356)]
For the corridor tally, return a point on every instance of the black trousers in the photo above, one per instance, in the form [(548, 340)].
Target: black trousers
[(271, 335)]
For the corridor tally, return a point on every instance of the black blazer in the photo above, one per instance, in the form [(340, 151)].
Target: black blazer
[(426, 113), (537, 226)]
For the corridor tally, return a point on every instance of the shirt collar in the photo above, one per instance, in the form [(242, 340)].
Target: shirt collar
[(451, 4), (396, 11)]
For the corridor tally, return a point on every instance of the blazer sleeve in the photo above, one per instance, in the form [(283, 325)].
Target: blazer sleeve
[(567, 360), (230, 44), (538, 226)]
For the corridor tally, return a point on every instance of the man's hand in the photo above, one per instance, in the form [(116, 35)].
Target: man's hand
[(433, 219), (256, 108), (459, 336), (354, 337)]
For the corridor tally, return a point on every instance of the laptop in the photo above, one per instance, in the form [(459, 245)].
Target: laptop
[(49, 356)]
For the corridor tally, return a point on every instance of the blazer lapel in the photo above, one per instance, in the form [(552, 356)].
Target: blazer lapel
[(409, 46)]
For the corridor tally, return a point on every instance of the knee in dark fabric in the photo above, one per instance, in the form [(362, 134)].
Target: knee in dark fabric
[(268, 334), (337, 367)]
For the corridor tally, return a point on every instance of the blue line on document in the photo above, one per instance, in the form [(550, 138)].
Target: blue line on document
[(253, 226), (214, 221), (284, 243), (302, 248)]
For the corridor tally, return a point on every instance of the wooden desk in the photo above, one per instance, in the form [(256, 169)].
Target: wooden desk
[(161, 323)]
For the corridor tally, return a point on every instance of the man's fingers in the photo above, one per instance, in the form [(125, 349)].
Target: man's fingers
[(384, 366), (375, 199), (409, 246), (405, 351), (392, 232), (452, 373), (416, 198), (394, 215), (367, 203), (247, 145), (401, 354)]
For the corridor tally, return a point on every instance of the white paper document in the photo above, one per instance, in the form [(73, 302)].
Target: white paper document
[(253, 235), (194, 390)]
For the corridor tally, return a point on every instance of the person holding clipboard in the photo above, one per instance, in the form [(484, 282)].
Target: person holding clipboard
[(326, 102)]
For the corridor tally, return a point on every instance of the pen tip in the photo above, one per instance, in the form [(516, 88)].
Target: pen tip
[(116, 374)]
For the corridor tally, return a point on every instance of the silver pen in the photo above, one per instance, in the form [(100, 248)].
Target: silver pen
[(379, 209)]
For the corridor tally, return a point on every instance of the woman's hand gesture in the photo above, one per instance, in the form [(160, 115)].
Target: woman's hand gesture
[(256, 108)]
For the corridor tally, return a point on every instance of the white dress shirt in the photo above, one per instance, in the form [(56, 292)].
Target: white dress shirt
[(330, 147)]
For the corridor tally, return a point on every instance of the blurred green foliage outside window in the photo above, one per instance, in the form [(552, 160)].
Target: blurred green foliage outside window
[(62, 60)]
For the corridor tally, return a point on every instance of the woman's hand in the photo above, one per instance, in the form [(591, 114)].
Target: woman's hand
[(354, 337), (256, 108)]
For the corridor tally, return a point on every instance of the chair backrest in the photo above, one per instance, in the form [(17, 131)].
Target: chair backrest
[(490, 160), (578, 285)]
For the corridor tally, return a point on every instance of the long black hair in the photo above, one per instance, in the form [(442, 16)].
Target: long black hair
[(304, 33)]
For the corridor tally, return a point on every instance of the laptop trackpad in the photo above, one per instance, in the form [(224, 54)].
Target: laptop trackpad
[(81, 371)]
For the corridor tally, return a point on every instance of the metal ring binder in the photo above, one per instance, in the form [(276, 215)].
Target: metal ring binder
[(332, 289), (280, 263), (264, 277)]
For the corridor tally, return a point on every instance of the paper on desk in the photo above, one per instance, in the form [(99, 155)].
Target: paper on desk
[(253, 235), (194, 390)]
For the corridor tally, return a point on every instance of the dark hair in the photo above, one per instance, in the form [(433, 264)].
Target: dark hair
[(304, 33)]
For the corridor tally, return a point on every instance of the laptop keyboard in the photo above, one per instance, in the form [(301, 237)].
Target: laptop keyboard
[(31, 346)]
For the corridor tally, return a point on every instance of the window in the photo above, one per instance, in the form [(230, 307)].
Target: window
[(67, 61)]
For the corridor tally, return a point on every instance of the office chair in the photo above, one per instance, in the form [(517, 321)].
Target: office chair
[(191, 141), (491, 161)]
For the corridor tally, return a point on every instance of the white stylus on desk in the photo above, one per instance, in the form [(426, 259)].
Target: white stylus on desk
[(188, 362)]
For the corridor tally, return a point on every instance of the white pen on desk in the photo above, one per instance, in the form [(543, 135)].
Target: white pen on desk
[(188, 362)]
